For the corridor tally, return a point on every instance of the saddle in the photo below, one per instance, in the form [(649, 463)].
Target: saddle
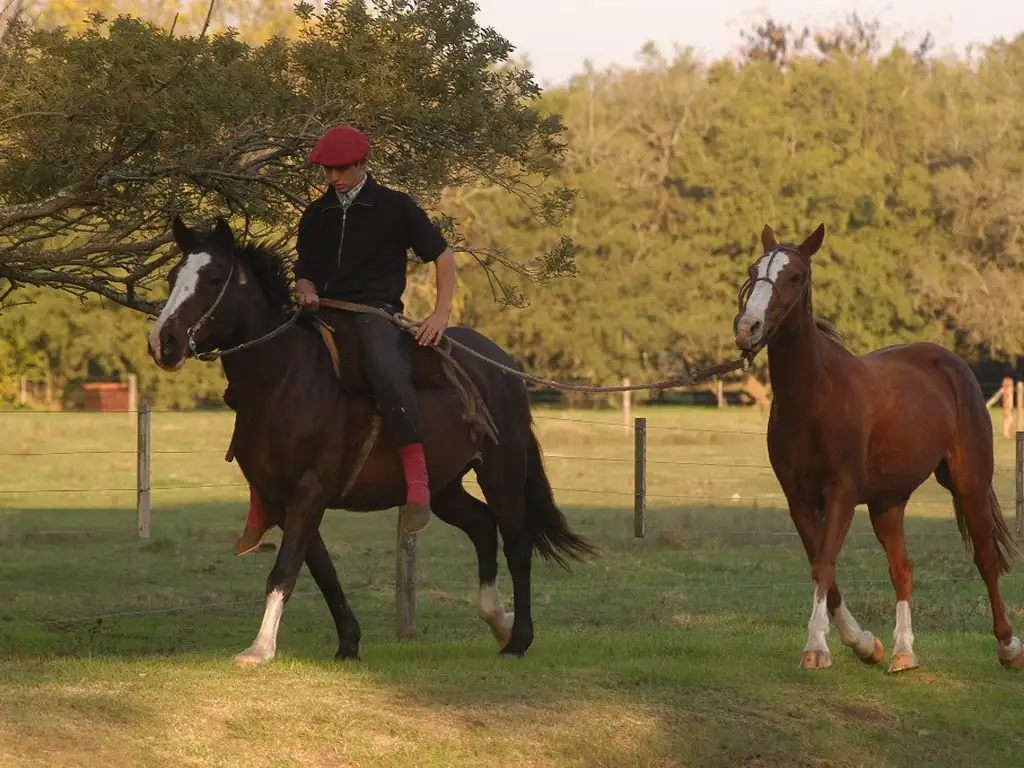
[(432, 368), (428, 365)]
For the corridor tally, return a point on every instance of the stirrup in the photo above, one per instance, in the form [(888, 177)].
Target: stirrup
[(415, 517), (250, 539)]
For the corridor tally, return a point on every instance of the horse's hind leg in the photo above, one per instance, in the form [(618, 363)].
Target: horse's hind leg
[(507, 502), (326, 577), (455, 506), (888, 525), (980, 520)]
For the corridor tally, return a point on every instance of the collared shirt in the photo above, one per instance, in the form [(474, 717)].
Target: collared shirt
[(347, 198)]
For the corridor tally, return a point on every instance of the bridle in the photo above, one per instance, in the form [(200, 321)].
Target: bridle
[(213, 354), (748, 288)]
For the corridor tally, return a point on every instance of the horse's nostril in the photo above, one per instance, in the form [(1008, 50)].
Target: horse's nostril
[(755, 329)]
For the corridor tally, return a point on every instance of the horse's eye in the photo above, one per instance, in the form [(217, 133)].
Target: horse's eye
[(795, 279)]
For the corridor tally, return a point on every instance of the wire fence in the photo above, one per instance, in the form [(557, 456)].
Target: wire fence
[(675, 491)]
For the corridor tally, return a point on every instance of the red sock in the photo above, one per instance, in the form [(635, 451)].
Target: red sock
[(256, 512), (415, 465)]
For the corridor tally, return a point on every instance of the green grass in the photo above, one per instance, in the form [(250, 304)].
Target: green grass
[(680, 649)]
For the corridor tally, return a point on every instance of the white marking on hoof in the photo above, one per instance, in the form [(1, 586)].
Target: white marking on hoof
[(264, 647), (864, 645), (493, 612), (254, 655), (817, 627), (1012, 655), (903, 635)]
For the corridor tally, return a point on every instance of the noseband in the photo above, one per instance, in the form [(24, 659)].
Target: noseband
[(213, 354)]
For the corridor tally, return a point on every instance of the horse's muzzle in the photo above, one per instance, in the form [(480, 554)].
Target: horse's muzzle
[(749, 333)]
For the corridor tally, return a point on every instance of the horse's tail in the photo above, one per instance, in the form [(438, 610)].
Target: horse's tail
[(1006, 546), (544, 520)]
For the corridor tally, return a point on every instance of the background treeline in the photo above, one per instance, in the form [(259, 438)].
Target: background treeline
[(913, 161)]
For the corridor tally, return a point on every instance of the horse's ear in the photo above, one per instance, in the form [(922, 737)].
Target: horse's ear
[(184, 237), (810, 246), (223, 235), (768, 241)]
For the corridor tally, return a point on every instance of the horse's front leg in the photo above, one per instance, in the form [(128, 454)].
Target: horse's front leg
[(302, 521), (839, 507)]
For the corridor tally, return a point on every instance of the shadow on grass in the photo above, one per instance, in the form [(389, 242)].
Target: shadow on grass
[(624, 698)]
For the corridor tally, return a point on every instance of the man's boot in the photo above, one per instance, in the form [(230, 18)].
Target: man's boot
[(256, 525), (416, 512)]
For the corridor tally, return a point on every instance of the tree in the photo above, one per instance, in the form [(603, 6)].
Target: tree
[(136, 125)]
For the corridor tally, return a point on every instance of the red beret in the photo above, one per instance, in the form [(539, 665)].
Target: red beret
[(341, 145)]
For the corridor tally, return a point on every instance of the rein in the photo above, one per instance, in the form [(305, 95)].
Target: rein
[(411, 325)]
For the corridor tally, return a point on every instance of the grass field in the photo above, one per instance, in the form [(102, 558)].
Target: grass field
[(680, 649)]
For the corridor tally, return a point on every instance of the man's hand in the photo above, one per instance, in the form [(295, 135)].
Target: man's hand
[(431, 330), (305, 294)]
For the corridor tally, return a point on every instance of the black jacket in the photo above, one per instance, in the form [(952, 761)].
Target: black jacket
[(360, 255)]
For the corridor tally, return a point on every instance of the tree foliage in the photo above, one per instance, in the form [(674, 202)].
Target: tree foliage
[(912, 161), (135, 125)]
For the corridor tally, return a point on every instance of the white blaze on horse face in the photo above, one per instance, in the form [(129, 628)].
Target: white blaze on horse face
[(184, 289), (770, 267)]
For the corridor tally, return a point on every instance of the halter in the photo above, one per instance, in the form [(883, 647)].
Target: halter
[(213, 354)]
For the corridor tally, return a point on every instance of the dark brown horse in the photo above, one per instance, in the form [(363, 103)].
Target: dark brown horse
[(847, 430), (300, 436)]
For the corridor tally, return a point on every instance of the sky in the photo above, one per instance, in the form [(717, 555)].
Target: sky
[(557, 36)]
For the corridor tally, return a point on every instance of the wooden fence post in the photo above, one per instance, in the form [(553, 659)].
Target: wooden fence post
[(405, 582), (640, 478), (145, 453), (133, 396), (1007, 406), (1020, 405), (1020, 485), (627, 405)]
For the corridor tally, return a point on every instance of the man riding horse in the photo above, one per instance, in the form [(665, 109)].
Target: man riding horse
[(352, 245)]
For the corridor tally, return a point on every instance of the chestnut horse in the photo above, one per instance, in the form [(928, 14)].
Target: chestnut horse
[(870, 429), (307, 443)]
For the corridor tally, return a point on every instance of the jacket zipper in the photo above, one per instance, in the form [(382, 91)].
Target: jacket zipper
[(341, 242)]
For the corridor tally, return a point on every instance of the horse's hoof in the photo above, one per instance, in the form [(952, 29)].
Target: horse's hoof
[(876, 655), (902, 661), (253, 657), (1007, 657), (347, 654), (816, 660), (502, 629)]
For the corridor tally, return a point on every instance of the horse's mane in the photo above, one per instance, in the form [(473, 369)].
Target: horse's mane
[(268, 267), (829, 331)]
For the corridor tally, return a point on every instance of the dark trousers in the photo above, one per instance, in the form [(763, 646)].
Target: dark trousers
[(388, 369)]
